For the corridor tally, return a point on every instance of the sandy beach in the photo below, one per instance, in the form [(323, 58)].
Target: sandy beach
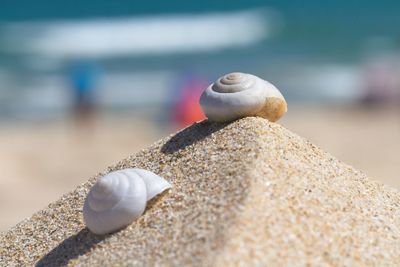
[(368, 139), (41, 162), (244, 194)]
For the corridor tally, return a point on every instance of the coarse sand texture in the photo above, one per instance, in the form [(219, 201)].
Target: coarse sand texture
[(246, 193)]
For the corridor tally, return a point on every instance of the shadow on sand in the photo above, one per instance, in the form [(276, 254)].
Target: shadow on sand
[(71, 248), (82, 242), (190, 135)]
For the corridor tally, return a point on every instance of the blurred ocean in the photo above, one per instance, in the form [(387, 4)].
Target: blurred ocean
[(86, 83), (313, 51)]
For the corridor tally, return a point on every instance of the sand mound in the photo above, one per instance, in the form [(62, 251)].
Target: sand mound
[(245, 193)]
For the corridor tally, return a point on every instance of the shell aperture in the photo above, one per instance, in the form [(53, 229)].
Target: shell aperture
[(119, 198)]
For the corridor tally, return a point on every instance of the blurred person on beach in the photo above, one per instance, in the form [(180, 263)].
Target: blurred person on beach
[(186, 108), (84, 78), (382, 79)]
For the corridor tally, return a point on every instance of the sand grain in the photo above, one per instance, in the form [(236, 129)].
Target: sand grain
[(247, 193)]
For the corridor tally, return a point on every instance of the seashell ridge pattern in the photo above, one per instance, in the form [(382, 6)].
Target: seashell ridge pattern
[(237, 95), (119, 198)]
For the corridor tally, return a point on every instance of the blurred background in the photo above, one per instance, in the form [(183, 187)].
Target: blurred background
[(85, 84)]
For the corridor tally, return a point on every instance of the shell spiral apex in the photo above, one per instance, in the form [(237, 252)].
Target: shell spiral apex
[(119, 198), (237, 95)]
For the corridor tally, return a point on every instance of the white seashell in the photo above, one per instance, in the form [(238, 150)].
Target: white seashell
[(119, 198), (237, 95)]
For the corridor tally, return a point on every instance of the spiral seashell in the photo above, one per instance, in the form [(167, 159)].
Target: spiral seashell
[(237, 95), (119, 198)]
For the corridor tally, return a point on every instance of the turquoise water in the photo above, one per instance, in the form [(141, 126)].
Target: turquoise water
[(330, 28), (299, 45)]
